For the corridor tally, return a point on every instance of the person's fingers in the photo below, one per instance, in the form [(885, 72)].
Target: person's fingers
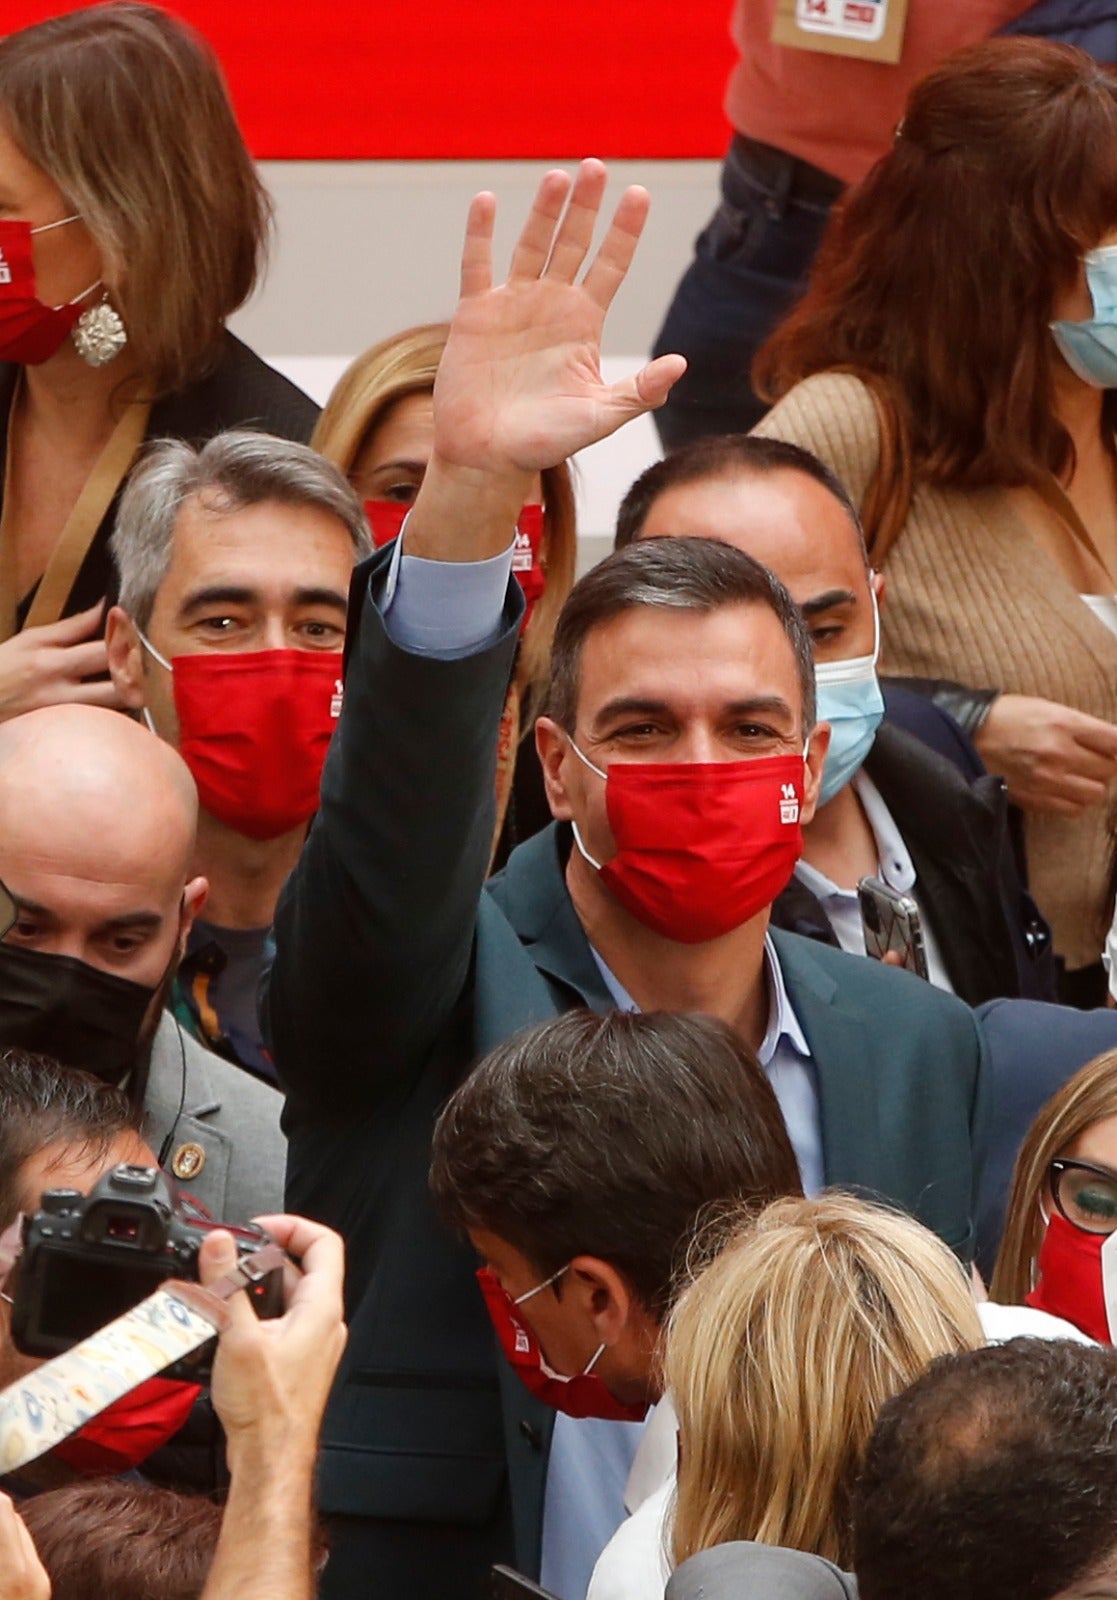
[(477, 251), (892, 958), (322, 1254), (1081, 762), (1094, 734), (646, 390), (298, 1235), (1067, 797), (78, 661), (71, 630), (22, 1574), (575, 234), (94, 694), (1040, 804), (611, 263), (533, 247), (217, 1255), (655, 382)]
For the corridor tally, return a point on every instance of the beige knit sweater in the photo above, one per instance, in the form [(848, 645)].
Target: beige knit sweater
[(971, 596)]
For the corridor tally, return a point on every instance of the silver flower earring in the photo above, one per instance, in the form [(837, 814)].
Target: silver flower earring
[(99, 335)]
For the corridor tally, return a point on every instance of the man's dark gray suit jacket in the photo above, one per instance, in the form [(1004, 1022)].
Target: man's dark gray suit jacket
[(395, 969)]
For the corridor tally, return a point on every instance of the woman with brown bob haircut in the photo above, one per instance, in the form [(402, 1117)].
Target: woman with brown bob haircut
[(132, 225), (923, 367), (378, 427)]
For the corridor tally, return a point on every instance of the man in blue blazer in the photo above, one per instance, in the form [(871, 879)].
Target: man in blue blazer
[(681, 756)]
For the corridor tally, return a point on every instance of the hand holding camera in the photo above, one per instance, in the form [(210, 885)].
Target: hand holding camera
[(87, 1259)]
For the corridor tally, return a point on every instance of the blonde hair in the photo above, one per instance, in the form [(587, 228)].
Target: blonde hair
[(1089, 1097), (126, 110), (780, 1355), (407, 364)]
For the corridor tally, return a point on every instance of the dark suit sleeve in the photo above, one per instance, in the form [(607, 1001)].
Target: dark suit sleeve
[(374, 929)]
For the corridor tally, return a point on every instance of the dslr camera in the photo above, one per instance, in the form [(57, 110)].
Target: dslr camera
[(87, 1259)]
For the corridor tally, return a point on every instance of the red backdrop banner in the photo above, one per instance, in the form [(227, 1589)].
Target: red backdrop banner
[(464, 79)]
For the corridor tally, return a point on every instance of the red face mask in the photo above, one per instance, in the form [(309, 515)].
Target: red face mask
[(131, 1429), (527, 565), (1078, 1278), (581, 1396), (254, 729), (30, 332), (385, 519), (702, 847)]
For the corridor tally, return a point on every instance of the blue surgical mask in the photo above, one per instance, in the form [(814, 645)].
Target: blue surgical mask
[(1090, 348), (849, 699)]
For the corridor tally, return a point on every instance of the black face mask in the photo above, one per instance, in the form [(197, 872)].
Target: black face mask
[(61, 1007)]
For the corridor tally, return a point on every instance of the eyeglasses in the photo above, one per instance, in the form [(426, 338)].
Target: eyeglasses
[(1085, 1195)]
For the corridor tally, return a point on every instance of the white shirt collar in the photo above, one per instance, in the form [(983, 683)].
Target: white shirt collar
[(894, 858)]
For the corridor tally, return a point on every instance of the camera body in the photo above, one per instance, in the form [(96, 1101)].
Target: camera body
[(87, 1259)]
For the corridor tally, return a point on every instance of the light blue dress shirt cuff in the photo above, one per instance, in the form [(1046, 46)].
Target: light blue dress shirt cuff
[(444, 609)]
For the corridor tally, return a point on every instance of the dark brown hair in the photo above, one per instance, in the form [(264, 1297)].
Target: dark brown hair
[(109, 1537), (937, 276), (126, 110), (611, 1136), (992, 1475), (677, 575), (44, 1103), (723, 455)]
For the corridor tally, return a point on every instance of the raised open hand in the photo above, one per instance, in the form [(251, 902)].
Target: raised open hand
[(519, 386)]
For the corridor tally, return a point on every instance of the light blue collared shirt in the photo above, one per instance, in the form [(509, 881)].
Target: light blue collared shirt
[(785, 1056), (444, 609)]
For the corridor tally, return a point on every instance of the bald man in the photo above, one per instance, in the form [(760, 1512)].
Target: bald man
[(97, 825)]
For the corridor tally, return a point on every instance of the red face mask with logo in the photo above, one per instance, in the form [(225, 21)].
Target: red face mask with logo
[(131, 1429), (30, 332), (583, 1395), (254, 729), (702, 847), (1078, 1278), (385, 519)]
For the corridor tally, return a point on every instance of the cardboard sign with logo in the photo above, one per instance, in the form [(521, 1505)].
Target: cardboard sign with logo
[(872, 30)]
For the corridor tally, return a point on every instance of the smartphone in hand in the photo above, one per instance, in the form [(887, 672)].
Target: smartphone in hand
[(892, 922)]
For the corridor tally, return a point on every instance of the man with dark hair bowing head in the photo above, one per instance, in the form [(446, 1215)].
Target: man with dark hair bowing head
[(681, 756)]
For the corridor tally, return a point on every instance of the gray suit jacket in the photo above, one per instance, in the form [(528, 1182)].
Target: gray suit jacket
[(228, 1150), (746, 1571)]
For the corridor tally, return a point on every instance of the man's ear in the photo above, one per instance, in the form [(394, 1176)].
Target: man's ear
[(604, 1294), (812, 774), (552, 744), (194, 897), (878, 583), (125, 652)]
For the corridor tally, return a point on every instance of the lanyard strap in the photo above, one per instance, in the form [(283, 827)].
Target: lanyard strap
[(41, 1409), (77, 536)]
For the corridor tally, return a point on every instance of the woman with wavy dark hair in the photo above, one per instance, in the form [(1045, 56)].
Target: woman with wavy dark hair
[(953, 361)]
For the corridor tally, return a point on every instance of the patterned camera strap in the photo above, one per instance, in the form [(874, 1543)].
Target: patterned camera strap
[(39, 1411)]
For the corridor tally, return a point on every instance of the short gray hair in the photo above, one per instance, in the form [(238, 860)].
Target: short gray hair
[(230, 471)]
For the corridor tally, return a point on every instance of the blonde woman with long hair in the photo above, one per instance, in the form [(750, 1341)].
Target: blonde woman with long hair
[(780, 1355), (378, 427), (1062, 1208)]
